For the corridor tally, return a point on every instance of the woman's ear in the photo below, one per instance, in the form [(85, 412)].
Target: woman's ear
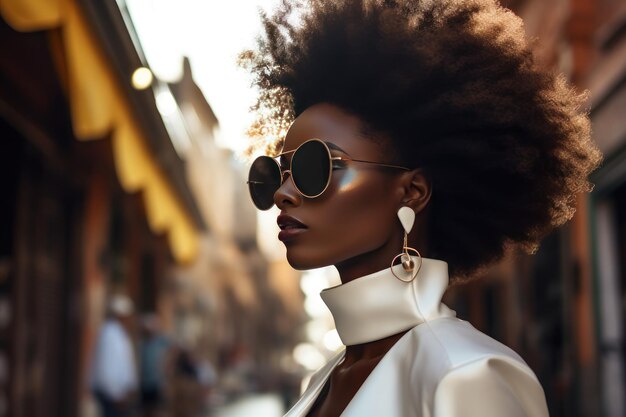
[(417, 190)]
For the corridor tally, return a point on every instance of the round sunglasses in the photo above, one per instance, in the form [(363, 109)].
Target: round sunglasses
[(310, 168)]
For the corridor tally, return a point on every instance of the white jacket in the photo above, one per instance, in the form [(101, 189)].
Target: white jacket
[(442, 367)]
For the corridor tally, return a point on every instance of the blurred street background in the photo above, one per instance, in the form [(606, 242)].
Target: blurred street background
[(136, 277)]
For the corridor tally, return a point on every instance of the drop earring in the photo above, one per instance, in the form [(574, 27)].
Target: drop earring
[(409, 270)]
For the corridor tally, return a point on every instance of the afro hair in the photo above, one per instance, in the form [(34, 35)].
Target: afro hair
[(453, 86)]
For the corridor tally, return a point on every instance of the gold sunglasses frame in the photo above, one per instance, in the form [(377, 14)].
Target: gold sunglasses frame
[(330, 166)]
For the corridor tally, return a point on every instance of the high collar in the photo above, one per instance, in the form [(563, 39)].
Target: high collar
[(379, 305)]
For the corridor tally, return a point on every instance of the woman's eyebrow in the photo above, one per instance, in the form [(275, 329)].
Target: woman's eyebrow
[(335, 147)]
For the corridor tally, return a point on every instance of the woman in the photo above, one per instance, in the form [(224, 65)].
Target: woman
[(419, 134)]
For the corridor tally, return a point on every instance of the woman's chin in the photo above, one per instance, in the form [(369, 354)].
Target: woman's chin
[(303, 262), (299, 264)]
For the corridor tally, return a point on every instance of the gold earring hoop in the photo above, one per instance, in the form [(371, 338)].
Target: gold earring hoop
[(407, 218)]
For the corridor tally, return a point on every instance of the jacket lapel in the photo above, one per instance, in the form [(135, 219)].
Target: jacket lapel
[(304, 404)]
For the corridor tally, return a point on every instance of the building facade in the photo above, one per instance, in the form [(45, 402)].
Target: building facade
[(96, 198)]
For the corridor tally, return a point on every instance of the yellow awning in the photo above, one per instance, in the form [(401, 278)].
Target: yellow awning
[(98, 107)]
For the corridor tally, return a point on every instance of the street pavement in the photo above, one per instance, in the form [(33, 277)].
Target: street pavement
[(267, 405)]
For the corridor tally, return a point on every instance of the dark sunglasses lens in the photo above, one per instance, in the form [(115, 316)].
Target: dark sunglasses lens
[(263, 181), (310, 167)]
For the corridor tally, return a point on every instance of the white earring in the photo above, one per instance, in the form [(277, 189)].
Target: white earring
[(407, 219)]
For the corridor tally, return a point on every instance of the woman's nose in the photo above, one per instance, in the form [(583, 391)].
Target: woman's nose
[(287, 194)]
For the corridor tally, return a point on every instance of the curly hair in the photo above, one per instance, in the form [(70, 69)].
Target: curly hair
[(453, 85)]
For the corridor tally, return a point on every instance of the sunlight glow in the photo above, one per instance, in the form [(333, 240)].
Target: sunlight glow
[(308, 356), (211, 34), (332, 341), (142, 78)]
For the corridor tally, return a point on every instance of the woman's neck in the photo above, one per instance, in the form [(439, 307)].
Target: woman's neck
[(377, 259), (362, 265), (370, 350)]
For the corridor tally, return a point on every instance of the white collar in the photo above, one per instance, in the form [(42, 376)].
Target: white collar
[(379, 305)]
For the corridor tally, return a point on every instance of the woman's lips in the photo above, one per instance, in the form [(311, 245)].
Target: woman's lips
[(290, 227)]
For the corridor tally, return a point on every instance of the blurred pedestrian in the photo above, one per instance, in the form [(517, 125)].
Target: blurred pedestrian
[(187, 391), (114, 372), (207, 378), (153, 366)]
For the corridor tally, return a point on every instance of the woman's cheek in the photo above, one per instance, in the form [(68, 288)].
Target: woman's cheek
[(351, 218), (360, 226)]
